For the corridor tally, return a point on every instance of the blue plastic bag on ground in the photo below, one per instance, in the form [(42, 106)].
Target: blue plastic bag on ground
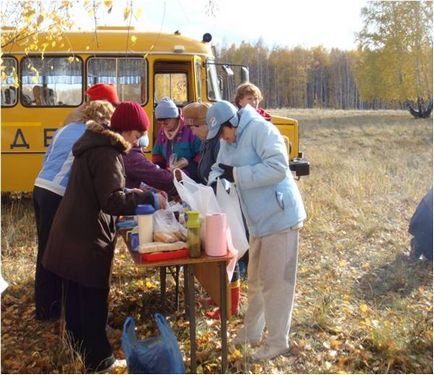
[(156, 355)]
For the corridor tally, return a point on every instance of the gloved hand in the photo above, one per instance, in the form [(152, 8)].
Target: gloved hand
[(160, 200), (228, 172)]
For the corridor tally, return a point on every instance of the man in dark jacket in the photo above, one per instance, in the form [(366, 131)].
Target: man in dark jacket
[(195, 119), (82, 239), (421, 228)]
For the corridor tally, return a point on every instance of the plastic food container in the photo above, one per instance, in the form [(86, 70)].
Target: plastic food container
[(165, 255), (145, 222)]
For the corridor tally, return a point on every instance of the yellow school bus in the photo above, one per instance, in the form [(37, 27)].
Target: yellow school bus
[(38, 90)]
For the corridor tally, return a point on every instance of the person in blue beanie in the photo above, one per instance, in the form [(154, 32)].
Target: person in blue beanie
[(253, 156)]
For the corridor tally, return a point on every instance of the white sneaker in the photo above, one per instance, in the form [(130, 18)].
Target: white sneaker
[(120, 363), (266, 352), (242, 338), (117, 364)]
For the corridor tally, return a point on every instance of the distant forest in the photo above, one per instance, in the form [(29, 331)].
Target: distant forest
[(303, 78)]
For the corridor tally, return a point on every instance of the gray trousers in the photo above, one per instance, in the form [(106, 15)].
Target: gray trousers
[(271, 286)]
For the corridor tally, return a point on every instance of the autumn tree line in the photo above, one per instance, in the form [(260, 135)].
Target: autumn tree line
[(392, 67), (300, 78)]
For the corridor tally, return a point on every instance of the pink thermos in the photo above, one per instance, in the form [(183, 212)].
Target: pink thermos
[(215, 235)]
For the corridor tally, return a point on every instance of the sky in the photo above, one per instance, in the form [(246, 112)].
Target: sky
[(284, 23)]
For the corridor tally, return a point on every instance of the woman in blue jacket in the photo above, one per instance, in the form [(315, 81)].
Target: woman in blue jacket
[(50, 185), (253, 155)]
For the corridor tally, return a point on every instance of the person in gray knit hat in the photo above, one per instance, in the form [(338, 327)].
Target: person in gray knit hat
[(176, 145)]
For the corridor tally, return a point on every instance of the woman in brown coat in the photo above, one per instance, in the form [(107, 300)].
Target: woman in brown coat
[(83, 236)]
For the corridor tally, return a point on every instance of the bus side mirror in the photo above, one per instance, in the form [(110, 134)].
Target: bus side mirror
[(244, 74), (221, 84), (227, 69)]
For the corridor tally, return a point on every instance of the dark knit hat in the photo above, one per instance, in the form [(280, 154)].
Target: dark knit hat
[(129, 116), (102, 91)]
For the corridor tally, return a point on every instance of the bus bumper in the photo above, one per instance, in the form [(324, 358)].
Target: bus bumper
[(300, 166)]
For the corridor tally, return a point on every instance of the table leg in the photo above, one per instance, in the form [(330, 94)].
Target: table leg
[(177, 268), (188, 272), (174, 271), (223, 315), (163, 272), (186, 296)]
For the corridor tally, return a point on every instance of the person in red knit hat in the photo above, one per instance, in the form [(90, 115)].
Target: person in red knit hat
[(103, 91), (99, 91), (82, 239), (138, 168)]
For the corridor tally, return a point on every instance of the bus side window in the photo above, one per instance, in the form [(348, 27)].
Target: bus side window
[(52, 81), (128, 74), (8, 81)]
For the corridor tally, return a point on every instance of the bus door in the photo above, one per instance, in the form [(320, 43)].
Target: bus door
[(175, 80)]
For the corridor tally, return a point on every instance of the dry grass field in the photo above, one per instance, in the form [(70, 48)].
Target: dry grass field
[(362, 305)]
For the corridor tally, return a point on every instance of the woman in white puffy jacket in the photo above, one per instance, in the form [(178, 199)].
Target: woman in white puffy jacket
[(253, 155)]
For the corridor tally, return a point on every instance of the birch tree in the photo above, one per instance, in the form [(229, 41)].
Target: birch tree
[(395, 61)]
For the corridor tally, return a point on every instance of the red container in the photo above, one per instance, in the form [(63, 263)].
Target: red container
[(164, 255)]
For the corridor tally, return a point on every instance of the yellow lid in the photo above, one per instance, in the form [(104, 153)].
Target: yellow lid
[(193, 219)]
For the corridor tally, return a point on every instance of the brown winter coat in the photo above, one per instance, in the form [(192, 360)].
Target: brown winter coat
[(82, 239)]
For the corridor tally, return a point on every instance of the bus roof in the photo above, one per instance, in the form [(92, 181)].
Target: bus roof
[(108, 41)]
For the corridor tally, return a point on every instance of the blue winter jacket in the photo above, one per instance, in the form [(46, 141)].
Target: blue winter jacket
[(270, 199), (58, 159)]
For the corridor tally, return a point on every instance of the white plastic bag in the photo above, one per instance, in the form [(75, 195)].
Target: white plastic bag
[(167, 228), (230, 205), (199, 197)]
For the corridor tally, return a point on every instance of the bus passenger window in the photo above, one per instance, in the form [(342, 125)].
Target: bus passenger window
[(52, 81), (128, 74), (9, 82)]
